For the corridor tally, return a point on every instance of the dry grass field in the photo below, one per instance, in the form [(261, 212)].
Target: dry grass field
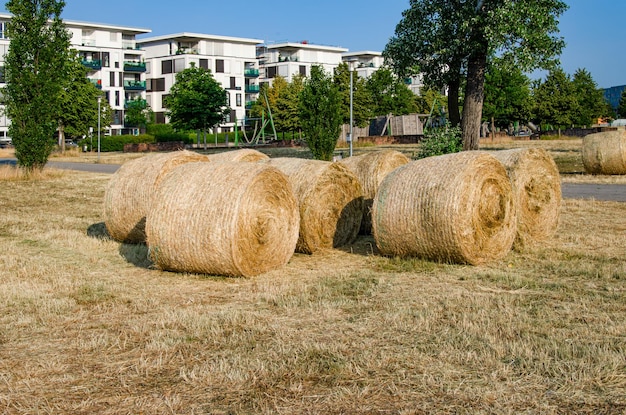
[(88, 326)]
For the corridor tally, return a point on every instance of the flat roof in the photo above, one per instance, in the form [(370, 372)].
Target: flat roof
[(77, 23), (187, 36), (361, 53), (301, 45)]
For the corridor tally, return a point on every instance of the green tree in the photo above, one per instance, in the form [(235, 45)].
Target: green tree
[(555, 100), (138, 113), (361, 100), (445, 39), (287, 104), (79, 103), (35, 75), (320, 113), (196, 101), (591, 102), (507, 95), (389, 94), (621, 109), (429, 100)]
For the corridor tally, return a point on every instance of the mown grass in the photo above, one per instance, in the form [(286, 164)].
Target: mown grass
[(87, 326)]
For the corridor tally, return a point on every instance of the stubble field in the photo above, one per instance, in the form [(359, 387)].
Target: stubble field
[(88, 326)]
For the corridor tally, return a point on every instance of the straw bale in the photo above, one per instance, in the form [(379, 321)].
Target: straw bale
[(371, 168), (452, 208), (234, 219), (130, 191), (605, 152), (330, 199), (537, 190), (244, 154)]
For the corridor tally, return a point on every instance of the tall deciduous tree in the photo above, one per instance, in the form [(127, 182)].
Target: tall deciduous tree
[(591, 102), (362, 105), (320, 113), (555, 100), (389, 94), (138, 114), (444, 39), (196, 101), (507, 95), (35, 75), (79, 103)]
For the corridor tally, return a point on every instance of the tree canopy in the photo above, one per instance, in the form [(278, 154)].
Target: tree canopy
[(590, 98), (196, 101), (450, 41), (555, 100), (35, 76), (389, 94), (507, 95), (320, 113)]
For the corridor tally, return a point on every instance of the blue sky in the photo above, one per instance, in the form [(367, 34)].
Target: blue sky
[(593, 29)]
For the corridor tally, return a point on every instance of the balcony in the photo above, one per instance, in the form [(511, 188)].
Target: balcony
[(93, 64), (135, 85), (249, 104), (187, 51), (252, 89), (141, 103), (251, 73), (130, 66), (96, 82)]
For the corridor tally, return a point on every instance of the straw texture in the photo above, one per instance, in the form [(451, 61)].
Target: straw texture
[(330, 199), (452, 208), (244, 154), (371, 169), (605, 152), (130, 191), (537, 190), (234, 219)]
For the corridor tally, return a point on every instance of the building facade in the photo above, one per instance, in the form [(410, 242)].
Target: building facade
[(289, 59), (232, 62), (109, 52)]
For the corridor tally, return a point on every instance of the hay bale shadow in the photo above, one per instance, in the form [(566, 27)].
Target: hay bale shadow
[(136, 254), (98, 231), (364, 245)]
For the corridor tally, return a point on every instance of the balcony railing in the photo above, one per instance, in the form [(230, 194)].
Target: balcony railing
[(251, 73), (97, 83), (130, 66), (94, 64), (251, 89), (135, 85), (142, 103)]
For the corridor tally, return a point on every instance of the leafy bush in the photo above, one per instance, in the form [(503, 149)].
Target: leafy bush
[(116, 142), (440, 141)]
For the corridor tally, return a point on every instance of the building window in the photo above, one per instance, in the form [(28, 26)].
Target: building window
[(158, 84), (233, 82), (219, 65), (179, 65), (105, 59), (238, 100), (159, 117), (111, 78), (3, 30), (271, 72), (117, 99), (227, 98), (303, 70), (166, 67), (204, 63)]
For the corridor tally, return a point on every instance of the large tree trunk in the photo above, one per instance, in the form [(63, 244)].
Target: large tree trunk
[(474, 96)]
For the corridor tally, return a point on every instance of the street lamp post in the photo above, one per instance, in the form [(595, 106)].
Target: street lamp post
[(99, 113), (350, 136)]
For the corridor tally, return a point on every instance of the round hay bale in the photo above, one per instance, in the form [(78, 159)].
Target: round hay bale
[(453, 208), (244, 154), (330, 199), (537, 190), (130, 191), (371, 168), (234, 219), (605, 152)]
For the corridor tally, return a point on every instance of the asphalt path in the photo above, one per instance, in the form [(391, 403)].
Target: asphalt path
[(607, 192)]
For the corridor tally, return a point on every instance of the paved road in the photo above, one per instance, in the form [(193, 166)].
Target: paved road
[(610, 192)]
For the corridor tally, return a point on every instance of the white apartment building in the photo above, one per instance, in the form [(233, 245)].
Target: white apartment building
[(289, 58), (110, 53), (232, 61), (365, 63)]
